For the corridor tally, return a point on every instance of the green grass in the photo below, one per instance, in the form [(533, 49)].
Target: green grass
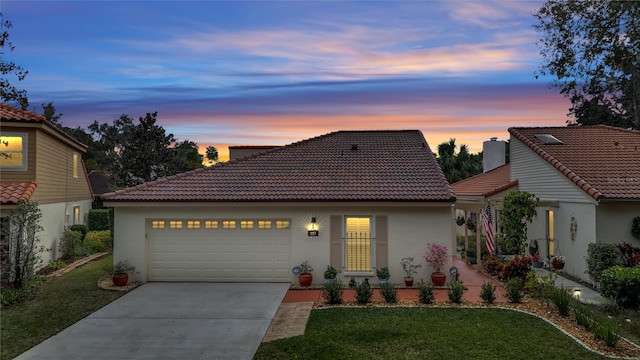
[(425, 333), (61, 302)]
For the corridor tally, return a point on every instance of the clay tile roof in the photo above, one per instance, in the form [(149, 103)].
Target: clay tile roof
[(486, 184), (12, 192), (339, 166), (603, 161), (9, 113)]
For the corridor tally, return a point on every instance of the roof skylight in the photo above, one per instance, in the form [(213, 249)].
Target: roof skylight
[(549, 139)]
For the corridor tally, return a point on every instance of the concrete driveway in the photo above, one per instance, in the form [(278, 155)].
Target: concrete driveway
[(171, 321)]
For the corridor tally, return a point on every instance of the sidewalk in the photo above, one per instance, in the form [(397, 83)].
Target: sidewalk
[(581, 292)]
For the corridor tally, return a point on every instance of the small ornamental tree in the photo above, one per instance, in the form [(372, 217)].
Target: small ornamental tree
[(21, 256), (436, 256), (518, 210)]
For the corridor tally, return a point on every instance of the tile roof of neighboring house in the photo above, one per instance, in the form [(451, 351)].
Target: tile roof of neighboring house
[(12, 192), (339, 166), (603, 161), (99, 182), (486, 184), (9, 113)]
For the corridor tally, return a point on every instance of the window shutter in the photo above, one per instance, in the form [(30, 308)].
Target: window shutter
[(335, 250), (382, 236)]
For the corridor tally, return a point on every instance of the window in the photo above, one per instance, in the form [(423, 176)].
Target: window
[(550, 233), (283, 224), (264, 224), (358, 244), (229, 224), (76, 215), (193, 224), (175, 224), (246, 224), (211, 224), (157, 224), (13, 151), (76, 161)]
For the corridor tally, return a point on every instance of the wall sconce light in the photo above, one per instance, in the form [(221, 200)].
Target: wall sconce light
[(313, 228), (576, 293)]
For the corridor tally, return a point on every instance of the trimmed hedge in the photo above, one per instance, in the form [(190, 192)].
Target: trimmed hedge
[(97, 241), (99, 220), (600, 257), (622, 285), (79, 228)]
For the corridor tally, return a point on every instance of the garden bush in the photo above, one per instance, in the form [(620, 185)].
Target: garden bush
[(389, 293), (80, 228), (425, 292), (584, 316), (600, 257), (517, 267), (493, 264), (630, 254), (562, 300), (364, 292), (606, 330), (622, 285), (488, 292), (514, 290), (455, 291), (540, 286), (70, 242), (332, 291), (99, 220), (97, 241)]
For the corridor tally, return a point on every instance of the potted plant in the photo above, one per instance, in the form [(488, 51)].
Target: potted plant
[(472, 255), (330, 274), (409, 269), (436, 257), (535, 261), (557, 262), (471, 225), (383, 275), (121, 271), (460, 220), (304, 276)]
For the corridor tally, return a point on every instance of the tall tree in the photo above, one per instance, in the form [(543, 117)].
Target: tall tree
[(212, 154), (49, 112), (457, 167), (592, 47), (9, 92), (185, 157)]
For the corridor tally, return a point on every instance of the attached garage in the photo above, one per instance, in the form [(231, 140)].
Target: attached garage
[(222, 251)]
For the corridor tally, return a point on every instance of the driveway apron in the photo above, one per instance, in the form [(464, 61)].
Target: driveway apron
[(171, 321)]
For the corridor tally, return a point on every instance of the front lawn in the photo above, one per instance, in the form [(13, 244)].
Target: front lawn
[(425, 333), (61, 302)]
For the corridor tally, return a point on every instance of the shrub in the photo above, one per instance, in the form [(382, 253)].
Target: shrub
[(630, 254), (332, 291), (601, 257), (57, 264), (389, 293), (425, 292), (364, 292), (99, 220), (606, 330), (79, 228), (540, 287), (10, 296), (517, 268), (514, 290), (455, 291), (70, 242), (493, 264), (622, 285), (584, 316), (488, 292), (97, 241), (383, 273), (562, 299)]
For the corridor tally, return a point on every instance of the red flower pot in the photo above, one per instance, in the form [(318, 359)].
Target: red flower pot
[(408, 281), (120, 279), (438, 278), (305, 279)]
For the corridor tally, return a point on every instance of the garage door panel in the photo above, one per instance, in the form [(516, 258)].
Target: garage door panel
[(229, 255)]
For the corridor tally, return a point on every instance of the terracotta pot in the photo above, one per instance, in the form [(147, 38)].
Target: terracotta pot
[(438, 278), (408, 281), (557, 266), (305, 279), (120, 279)]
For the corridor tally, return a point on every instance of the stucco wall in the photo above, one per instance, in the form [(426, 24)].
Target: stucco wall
[(410, 229), (614, 222)]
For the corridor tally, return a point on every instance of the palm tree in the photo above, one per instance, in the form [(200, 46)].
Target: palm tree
[(457, 167)]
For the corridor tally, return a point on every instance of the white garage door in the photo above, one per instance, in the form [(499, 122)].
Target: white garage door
[(187, 250)]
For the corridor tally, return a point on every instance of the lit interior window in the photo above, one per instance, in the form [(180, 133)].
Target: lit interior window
[(229, 224), (211, 224), (246, 224), (13, 151), (157, 224), (283, 224), (358, 243), (175, 224), (76, 159), (264, 224), (193, 224), (76, 214)]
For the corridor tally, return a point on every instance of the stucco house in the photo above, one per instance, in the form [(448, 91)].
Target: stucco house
[(43, 164), (357, 200), (586, 177)]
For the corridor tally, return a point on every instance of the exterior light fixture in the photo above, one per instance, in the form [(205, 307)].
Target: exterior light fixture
[(576, 293), (313, 228)]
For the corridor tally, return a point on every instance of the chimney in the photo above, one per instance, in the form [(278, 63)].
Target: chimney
[(493, 154)]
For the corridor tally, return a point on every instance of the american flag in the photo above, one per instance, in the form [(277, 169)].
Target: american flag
[(488, 229)]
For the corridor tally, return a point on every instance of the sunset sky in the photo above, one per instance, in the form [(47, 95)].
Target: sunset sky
[(274, 72)]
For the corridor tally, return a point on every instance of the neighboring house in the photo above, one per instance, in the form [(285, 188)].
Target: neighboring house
[(41, 163), (99, 182), (237, 151), (374, 197), (586, 177)]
